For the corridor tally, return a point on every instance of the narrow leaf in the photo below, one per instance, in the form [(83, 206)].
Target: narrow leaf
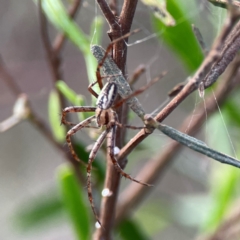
[(180, 37), (128, 229), (54, 111), (39, 210), (74, 202), (159, 10)]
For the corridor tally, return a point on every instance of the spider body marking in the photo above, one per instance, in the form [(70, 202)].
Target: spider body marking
[(104, 103)]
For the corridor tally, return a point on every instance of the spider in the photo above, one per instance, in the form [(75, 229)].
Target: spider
[(105, 115)]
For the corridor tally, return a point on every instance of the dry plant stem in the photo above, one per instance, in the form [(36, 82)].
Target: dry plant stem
[(136, 74), (54, 61), (53, 52), (113, 4), (38, 122), (134, 194), (126, 15), (118, 27), (52, 58), (204, 70), (35, 119), (8, 79), (60, 38)]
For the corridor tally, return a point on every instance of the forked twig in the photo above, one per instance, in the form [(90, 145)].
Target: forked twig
[(118, 27), (112, 179), (32, 116), (134, 194), (110, 68), (194, 82)]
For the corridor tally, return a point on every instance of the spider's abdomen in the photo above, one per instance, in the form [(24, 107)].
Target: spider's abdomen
[(107, 96)]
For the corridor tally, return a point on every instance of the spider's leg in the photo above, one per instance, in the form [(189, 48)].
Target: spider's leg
[(90, 89), (72, 131), (109, 48), (111, 145), (92, 156), (74, 110), (140, 90), (128, 126)]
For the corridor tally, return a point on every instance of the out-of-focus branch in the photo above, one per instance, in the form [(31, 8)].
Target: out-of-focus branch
[(60, 38), (53, 51), (33, 117), (134, 193), (7, 78), (36, 120), (113, 4), (230, 227)]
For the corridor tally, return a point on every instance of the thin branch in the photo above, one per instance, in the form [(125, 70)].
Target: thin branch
[(194, 82), (60, 38), (110, 17), (35, 120), (52, 59), (113, 4), (134, 194), (53, 52), (7, 78), (112, 179), (127, 15)]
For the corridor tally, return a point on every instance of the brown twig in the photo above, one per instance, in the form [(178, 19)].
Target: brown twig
[(8, 79), (33, 116), (118, 27), (113, 4), (136, 74), (52, 58), (204, 70), (109, 16), (134, 193), (60, 38), (37, 121), (53, 51)]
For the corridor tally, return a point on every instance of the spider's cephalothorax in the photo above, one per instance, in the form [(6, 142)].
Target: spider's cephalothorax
[(105, 101)]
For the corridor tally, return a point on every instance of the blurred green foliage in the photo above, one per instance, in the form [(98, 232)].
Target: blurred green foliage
[(181, 40)]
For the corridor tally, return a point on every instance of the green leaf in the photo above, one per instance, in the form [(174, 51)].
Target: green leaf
[(54, 110), (68, 93), (57, 14), (159, 10), (98, 166), (180, 37), (129, 230), (231, 107), (39, 211), (153, 217), (74, 201), (224, 179), (74, 98)]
